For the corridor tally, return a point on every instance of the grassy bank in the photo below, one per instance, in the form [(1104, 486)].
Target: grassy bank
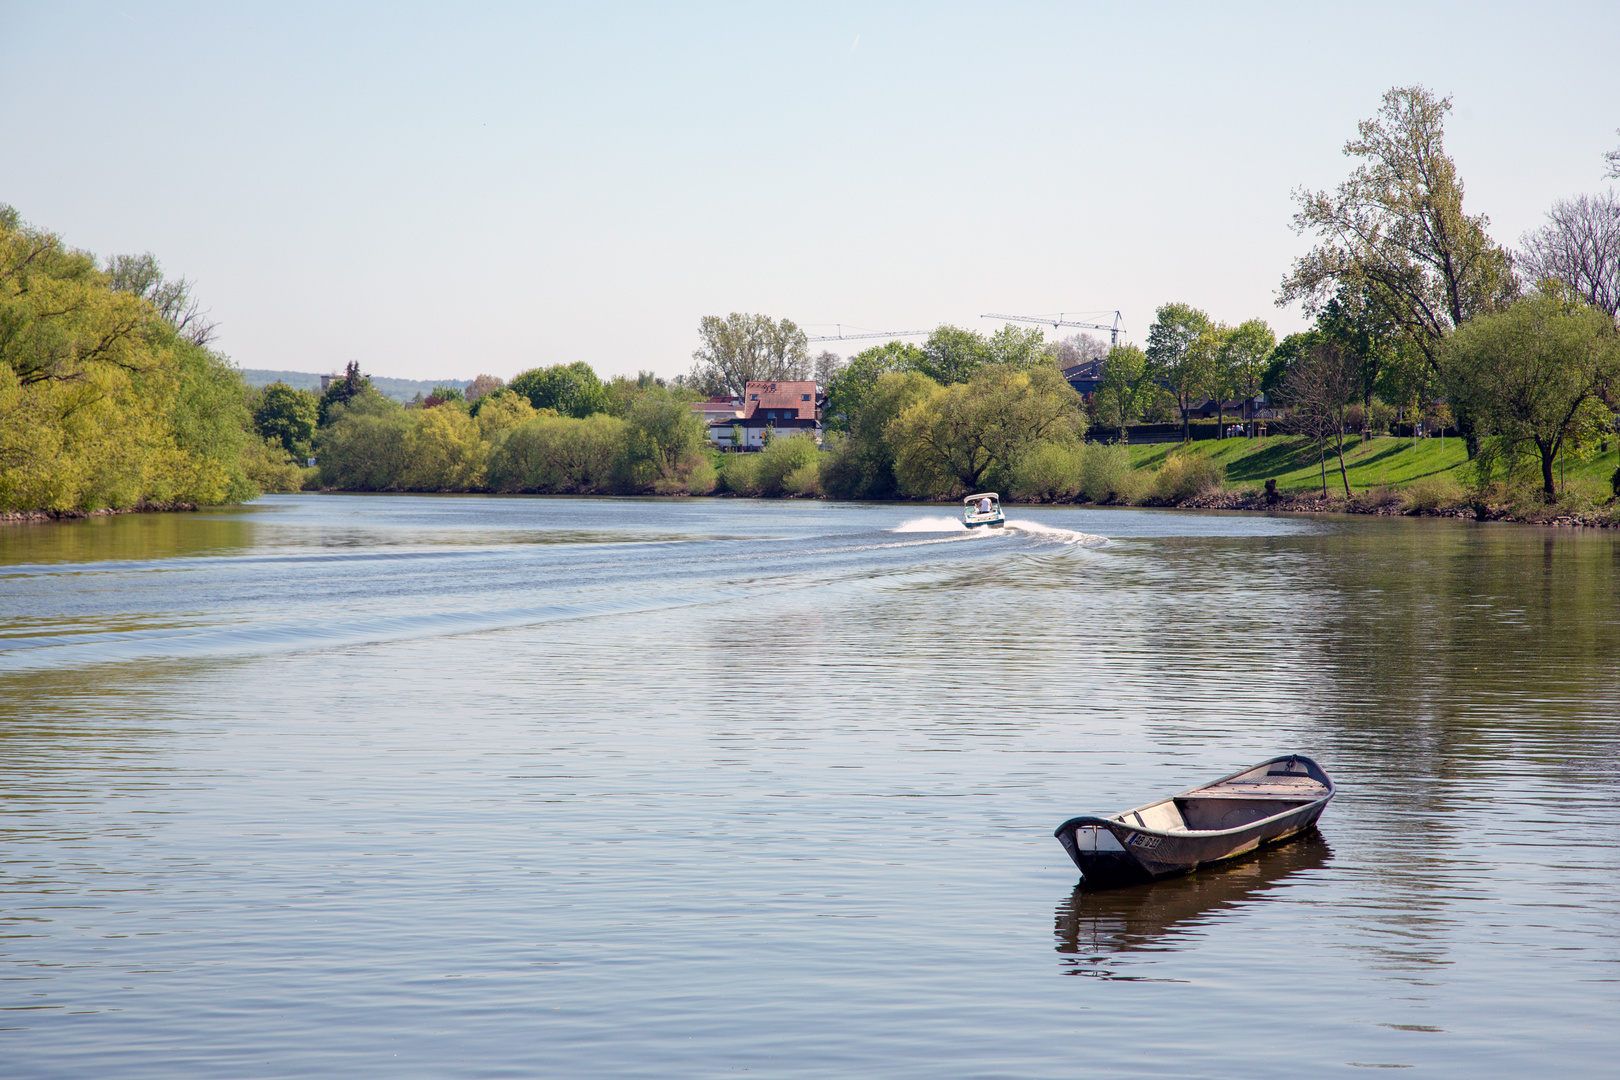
[(1376, 463)]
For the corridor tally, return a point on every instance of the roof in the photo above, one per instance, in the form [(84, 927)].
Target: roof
[(764, 394)]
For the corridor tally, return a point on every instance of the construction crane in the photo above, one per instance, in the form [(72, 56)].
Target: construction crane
[(1045, 320), (841, 336)]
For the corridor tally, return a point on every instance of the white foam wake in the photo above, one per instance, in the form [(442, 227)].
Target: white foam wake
[(931, 525), (1055, 535)]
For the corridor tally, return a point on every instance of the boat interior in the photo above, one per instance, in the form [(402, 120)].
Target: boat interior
[(1262, 792)]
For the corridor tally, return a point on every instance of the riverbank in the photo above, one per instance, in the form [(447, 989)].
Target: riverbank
[(57, 515)]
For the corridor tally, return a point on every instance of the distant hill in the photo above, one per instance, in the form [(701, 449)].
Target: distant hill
[(398, 389)]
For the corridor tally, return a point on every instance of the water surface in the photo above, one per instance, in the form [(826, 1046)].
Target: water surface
[(397, 786)]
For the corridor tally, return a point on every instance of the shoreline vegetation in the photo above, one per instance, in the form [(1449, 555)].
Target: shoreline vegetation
[(112, 397)]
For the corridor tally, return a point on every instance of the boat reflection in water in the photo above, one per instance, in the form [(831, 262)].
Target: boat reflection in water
[(1093, 927)]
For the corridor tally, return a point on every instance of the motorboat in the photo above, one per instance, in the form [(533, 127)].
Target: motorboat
[(1268, 803), (983, 509)]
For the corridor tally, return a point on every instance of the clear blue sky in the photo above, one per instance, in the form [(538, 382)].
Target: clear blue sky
[(442, 190)]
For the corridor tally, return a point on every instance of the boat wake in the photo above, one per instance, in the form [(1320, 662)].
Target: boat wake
[(1055, 535), (934, 525), (1032, 529)]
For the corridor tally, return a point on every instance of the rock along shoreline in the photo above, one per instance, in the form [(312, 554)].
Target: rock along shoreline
[(59, 515)]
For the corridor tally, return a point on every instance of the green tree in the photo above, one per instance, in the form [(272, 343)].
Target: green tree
[(959, 435), (1174, 353), (569, 389), (1127, 386), (1526, 373), (342, 391), (861, 465), (740, 349), (288, 416), (1244, 352), (664, 439), (1396, 232), (103, 402), (847, 389)]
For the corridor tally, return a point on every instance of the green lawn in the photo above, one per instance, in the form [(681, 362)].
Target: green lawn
[(1374, 462)]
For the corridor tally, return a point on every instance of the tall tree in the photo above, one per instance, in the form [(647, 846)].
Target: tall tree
[(740, 349), (1126, 388), (288, 416), (1319, 387), (1396, 229), (952, 354), (1526, 373), (1173, 354), (142, 276), (848, 388), (1244, 352), (1078, 348), (961, 434), (1580, 246), (569, 389)]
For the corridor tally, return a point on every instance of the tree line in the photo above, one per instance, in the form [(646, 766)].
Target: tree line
[(110, 394)]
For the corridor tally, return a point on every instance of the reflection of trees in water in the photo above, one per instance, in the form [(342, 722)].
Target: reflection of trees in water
[(1094, 929), (1464, 677), (125, 537)]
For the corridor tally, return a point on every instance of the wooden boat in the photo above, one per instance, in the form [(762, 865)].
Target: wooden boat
[(975, 514), (1265, 804)]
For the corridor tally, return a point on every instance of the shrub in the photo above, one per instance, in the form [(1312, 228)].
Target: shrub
[(1185, 476), (1106, 474), (739, 474), (782, 458), (267, 465), (1049, 471), (702, 479), (804, 481), (1433, 493), (558, 454)]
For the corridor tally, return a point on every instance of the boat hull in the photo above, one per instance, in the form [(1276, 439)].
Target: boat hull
[(1111, 852)]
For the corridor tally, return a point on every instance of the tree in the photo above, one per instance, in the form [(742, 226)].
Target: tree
[(102, 401), (342, 391), (663, 439), (740, 349), (569, 389), (1244, 352), (848, 388), (1216, 380), (288, 416), (960, 434), (1396, 229), (1126, 387), (1077, 349), (1172, 353), (1579, 246), (483, 384), (142, 276), (826, 367), (1526, 373), (1611, 162), (861, 465), (1319, 387), (952, 354)]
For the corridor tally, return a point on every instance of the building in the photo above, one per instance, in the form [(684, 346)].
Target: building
[(1085, 377), (781, 408)]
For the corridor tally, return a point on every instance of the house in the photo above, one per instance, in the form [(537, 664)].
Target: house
[(782, 408), (1085, 376)]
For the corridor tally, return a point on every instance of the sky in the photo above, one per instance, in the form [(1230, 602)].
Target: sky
[(439, 191)]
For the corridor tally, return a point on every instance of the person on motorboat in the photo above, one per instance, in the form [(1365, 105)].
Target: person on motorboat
[(984, 505)]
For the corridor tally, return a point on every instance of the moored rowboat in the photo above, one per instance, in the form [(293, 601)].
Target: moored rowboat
[(1265, 804)]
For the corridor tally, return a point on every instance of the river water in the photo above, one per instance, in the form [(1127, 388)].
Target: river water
[(474, 787)]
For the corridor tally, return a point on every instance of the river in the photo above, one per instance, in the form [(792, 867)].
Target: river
[(489, 787)]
